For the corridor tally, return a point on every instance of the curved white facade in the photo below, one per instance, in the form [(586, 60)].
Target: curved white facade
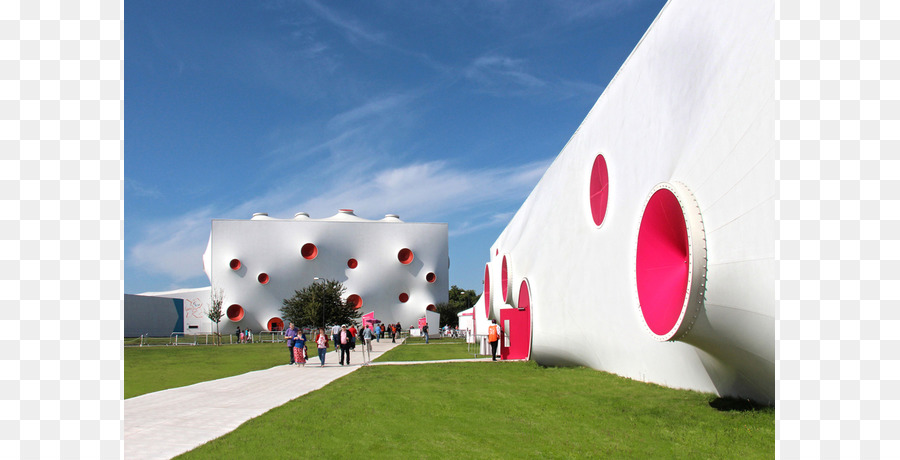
[(397, 269), (675, 287)]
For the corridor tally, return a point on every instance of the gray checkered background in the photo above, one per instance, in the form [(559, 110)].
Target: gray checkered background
[(61, 227), (839, 210)]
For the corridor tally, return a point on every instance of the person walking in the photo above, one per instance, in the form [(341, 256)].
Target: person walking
[(289, 336), (344, 338), (249, 334), (378, 333), (494, 337), (353, 334), (425, 332), (300, 349), (367, 345), (336, 336), (322, 345)]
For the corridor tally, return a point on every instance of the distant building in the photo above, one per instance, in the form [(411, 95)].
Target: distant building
[(399, 270)]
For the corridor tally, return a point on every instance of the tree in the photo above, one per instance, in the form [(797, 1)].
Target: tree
[(214, 312), (319, 304), (459, 300)]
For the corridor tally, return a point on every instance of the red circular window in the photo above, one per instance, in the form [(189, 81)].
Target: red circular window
[(405, 256), (235, 312), (352, 263), (404, 297), (235, 264), (504, 280), (430, 277), (263, 278), (309, 251), (276, 324), (487, 290), (355, 301), (524, 296), (663, 257), (431, 307), (599, 189)]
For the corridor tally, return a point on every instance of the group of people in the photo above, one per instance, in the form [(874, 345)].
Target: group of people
[(245, 336), (344, 338)]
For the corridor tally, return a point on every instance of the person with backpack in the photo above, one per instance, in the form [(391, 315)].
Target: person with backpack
[(493, 338)]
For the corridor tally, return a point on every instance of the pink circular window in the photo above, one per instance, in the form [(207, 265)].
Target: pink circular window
[(235, 312), (405, 256), (276, 324), (524, 296), (352, 263), (355, 301), (670, 266), (431, 307), (599, 189), (235, 264), (504, 280), (309, 251), (404, 297), (263, 278), (430, 277), (487, 290)]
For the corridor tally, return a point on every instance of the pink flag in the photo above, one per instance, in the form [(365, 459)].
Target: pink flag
[(422, 321)]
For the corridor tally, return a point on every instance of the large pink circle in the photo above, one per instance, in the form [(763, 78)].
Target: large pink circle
[(663, 257), (599, 189), (487, 291)]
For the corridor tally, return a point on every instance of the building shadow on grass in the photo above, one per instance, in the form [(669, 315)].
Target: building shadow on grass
[(730, 404)]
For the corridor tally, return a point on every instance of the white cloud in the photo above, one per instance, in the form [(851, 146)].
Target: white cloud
[(430, 191)]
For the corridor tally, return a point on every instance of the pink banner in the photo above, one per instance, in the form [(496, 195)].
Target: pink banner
[(422, 321), (368, 318)]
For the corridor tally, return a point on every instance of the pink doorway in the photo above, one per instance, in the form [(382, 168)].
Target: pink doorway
[(516, 324)]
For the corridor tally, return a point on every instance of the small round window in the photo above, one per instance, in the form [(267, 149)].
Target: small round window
[(599, 190)]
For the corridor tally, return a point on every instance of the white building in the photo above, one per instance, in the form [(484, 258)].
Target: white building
[(647, 248), (397, 269)]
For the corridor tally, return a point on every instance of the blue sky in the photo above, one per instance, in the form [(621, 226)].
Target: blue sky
[(439, 111)]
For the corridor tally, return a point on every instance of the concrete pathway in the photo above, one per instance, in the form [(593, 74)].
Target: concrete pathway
[(170, 422)]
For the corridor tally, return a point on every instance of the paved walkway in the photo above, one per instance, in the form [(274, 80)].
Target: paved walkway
[(166, 423)]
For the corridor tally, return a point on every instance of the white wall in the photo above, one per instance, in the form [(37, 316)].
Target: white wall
[(196, 304), (694, 103)]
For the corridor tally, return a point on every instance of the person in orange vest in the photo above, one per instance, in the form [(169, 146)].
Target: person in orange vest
[(493, 338)]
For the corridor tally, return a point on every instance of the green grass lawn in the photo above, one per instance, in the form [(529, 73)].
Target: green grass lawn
[(499, 410), (149, 369), (415, 349)]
